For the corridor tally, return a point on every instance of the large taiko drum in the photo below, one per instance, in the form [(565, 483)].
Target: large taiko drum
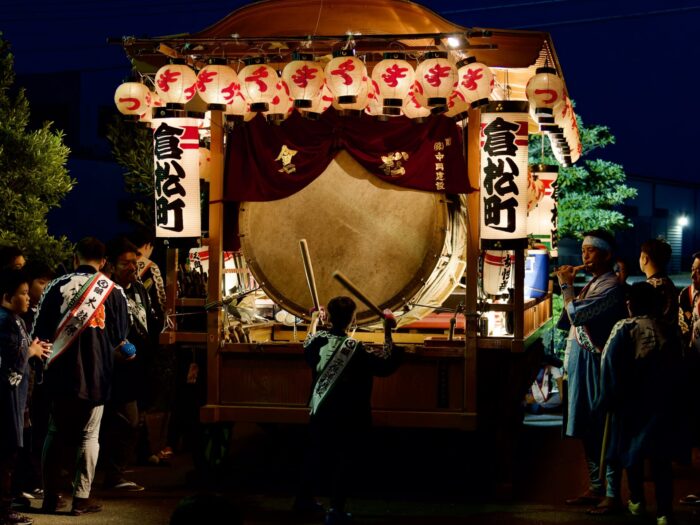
[(405, 249)]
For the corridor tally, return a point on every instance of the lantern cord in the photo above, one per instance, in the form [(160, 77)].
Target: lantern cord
[(318, 18)]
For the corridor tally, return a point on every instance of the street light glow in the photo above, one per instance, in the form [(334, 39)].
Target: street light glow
[(683, 221)]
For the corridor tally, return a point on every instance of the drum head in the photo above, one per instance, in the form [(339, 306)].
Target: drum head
[(385, 239)]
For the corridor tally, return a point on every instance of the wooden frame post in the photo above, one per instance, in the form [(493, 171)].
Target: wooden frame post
[(216, 221)]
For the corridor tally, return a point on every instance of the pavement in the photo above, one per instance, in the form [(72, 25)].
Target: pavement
[(420, 477)]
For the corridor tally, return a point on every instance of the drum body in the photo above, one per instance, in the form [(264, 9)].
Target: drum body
[(400, 247)]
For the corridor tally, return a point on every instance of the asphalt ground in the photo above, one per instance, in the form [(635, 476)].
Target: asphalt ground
[(418, 477)]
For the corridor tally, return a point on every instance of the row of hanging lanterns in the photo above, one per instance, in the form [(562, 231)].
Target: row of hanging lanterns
[(552, 109), (394, 88)]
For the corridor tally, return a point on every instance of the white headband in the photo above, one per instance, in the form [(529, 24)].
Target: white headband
[(596, 242)]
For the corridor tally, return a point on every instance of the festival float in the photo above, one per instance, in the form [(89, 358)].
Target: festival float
[(371, 149)]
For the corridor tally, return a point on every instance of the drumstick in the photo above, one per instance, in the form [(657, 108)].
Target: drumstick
[(357, 293), (309, 271)]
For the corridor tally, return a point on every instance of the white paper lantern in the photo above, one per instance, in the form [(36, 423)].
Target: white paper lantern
[(345, 75), (132, 99), (394, 78), (304, 77), (176, 84), (504, 180), (437, 76), (475, 81), (258, 82), (413, 106), (361, 100), (544, 90), (457, 106), (217, 84), (542, 220), (319, 104), (281, 105)]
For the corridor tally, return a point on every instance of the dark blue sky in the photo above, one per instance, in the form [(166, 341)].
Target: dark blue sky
[(631, 65)]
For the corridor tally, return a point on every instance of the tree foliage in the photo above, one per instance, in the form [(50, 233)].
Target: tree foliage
[(33, 174), (590, 190), (132, 147)]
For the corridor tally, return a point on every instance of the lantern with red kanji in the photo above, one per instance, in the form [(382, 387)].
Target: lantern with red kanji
[(153, 101), (457, 106), (361, 100), (413, 109), (258, 82), (176, 84), (319, 104), (217, 84), (132, 99), (394, 78), (544, 91), (475, 81), (304, 78), (345, 75), (437, 77), (282, 104)]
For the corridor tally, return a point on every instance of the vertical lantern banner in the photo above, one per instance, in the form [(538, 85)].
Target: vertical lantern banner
[(497, 275), (504, 152), (176, 172), (542, 220)]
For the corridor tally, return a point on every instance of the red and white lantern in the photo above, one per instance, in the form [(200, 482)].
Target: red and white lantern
[(304, 78), (282, 104), (239, 109), (544, 91), (413, 109), (475, 81), (217, 84), (345, 75), (176, 84), (258, 83), (319, 104), (437, 77), (542, 220), (153, 102), (132, 99), (394, 78), (457, 106), (361, 99)]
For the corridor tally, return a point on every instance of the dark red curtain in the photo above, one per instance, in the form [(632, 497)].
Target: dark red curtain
[(267, 162)]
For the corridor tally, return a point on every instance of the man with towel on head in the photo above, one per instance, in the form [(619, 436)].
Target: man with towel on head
[(590, 317)]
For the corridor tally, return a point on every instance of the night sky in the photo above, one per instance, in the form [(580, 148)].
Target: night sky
[(631, 65)]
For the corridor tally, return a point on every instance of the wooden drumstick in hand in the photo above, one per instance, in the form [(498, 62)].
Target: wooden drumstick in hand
[(338, 276), (309, 271)]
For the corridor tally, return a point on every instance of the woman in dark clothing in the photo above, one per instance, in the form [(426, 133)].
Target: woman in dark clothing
[(16, 349)]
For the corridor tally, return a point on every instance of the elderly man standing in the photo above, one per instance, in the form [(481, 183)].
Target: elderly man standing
[(85, 316), (590, 317)]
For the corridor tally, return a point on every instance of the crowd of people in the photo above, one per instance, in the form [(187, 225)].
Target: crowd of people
[(630, 362), (74, 353)]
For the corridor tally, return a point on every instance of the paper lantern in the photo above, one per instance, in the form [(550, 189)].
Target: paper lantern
[(176, 172), (217, 84), (457, 107), (132, 99), (437, 78), (281, 105), (535, 191), (176, 84), (304, 77), (361, 100), (542, 220), (374, 102), (319, 104), (544, 90), (475, 81), (394, 78), (258, 81), (504, 153), (498, 272), (345, 75), (412, 106)]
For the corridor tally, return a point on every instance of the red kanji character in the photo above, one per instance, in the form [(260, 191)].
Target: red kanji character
[(342, 70), (204, 78), (167, 78), (259, 73), (392, 75), (470, 77), (551, 92), (133, 103), (231, 91), (302, 75), (436, 73)]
